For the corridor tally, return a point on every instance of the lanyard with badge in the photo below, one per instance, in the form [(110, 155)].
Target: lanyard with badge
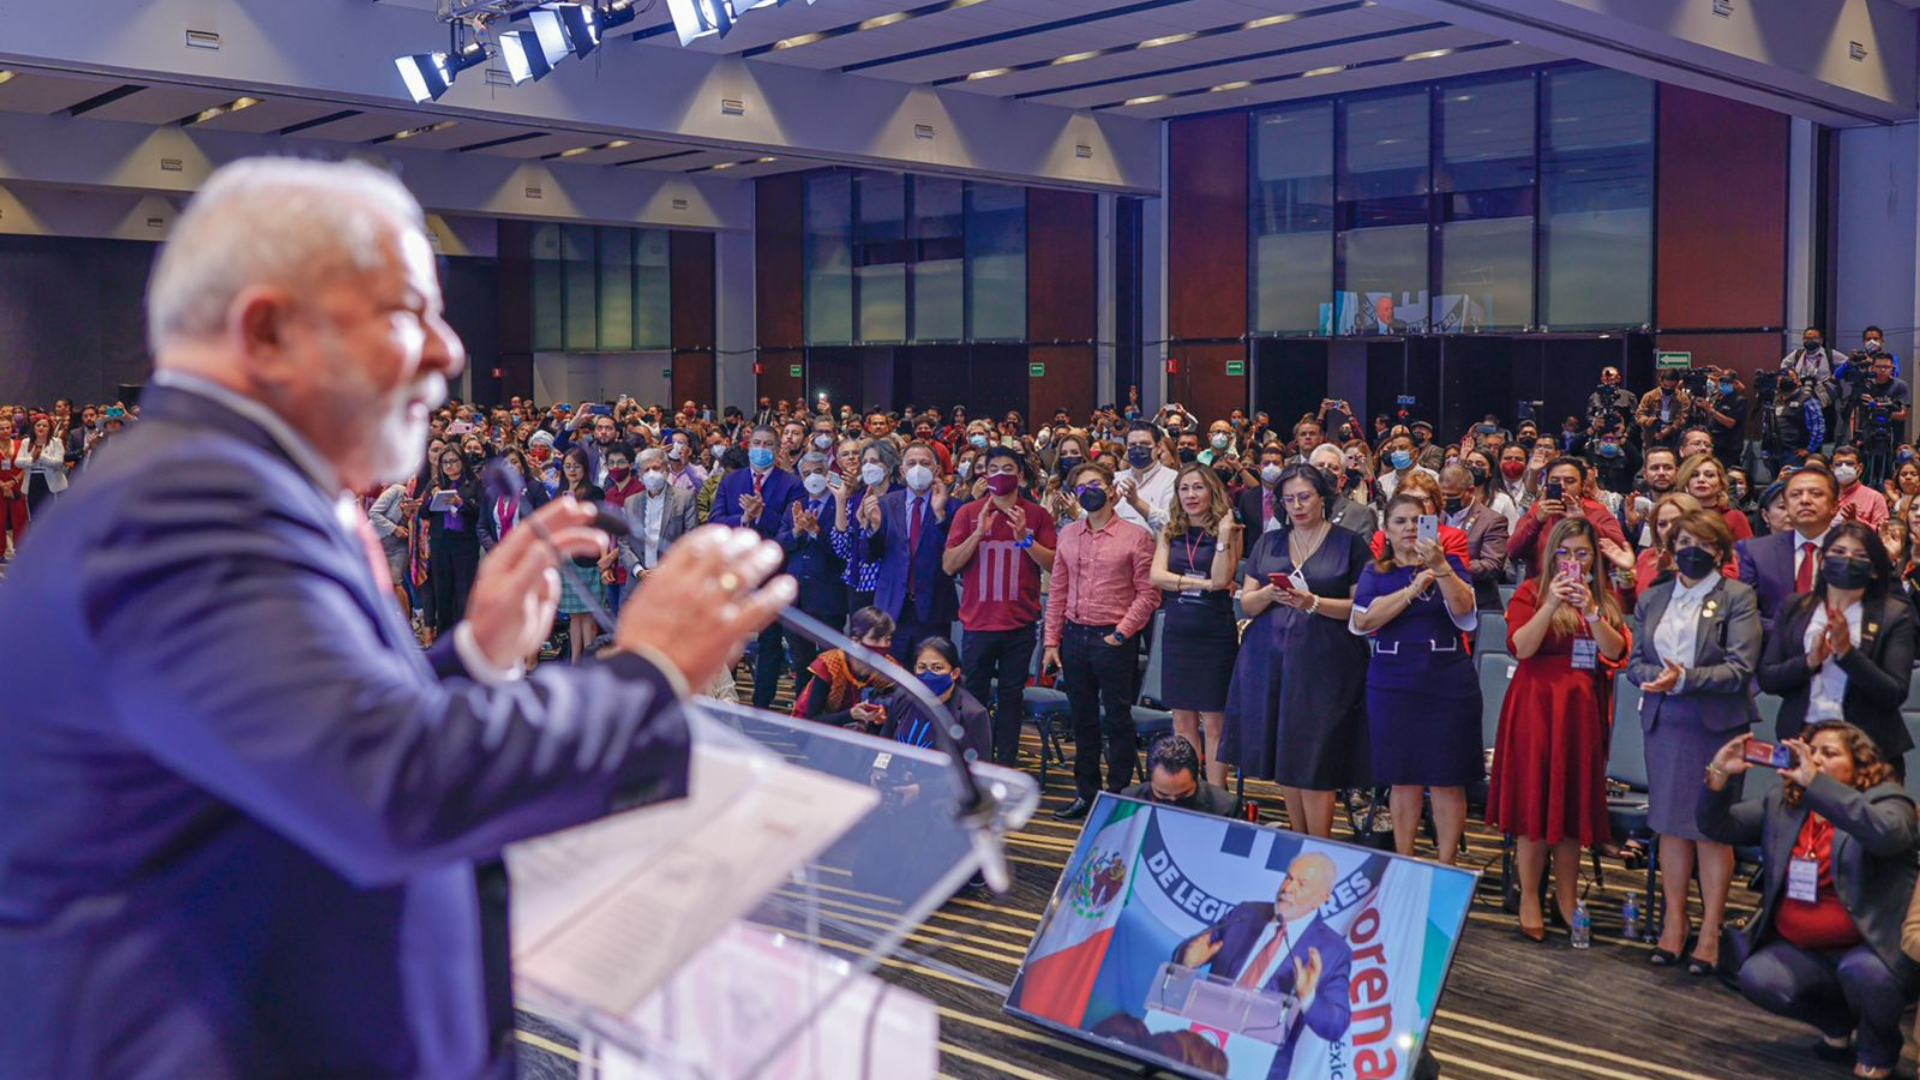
[(1803, 870)]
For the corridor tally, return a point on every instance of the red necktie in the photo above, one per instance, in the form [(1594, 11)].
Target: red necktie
[(913, 538), (756, 484), (376, 556), (1250, 976), (505, 514), (1803, 578)]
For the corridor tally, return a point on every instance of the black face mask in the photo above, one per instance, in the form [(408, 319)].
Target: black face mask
[(1419, 438), (1454, 506), (1068, 464), (1479, 476), (1093, 500), (1695, 562), (1225, 475), (1189, 456), (1847, 573)]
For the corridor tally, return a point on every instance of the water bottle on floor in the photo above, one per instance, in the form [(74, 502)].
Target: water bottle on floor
[(1630, 919), (1582, 925)]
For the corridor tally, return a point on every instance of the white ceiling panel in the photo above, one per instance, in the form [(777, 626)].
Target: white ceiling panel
[(1371, 52), (538, 148), (1345, 82), (160, 104), (269, 116), (31, 92), (372, 125)]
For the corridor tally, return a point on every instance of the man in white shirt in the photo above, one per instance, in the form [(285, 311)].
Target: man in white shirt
[(1145, 487)]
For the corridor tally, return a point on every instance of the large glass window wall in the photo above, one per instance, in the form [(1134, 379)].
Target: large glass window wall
[(600, 289), (894, 259), (1504, 202)]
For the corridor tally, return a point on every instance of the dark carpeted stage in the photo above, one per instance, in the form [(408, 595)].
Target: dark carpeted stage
[(1513, 1010)]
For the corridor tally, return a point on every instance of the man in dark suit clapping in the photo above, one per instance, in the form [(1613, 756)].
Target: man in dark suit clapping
[(257, 807), (760, 497)]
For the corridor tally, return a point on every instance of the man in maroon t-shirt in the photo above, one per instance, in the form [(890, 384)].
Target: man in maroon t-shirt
[(998, 546)]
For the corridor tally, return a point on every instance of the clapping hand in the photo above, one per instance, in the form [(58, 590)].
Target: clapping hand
[(750, 507), (985, 523), (1616, 553), (870, 514), (1664, 682), (1839, 634), (1016, 516)]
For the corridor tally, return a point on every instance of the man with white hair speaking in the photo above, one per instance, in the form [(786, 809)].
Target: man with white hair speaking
[(243, 809)]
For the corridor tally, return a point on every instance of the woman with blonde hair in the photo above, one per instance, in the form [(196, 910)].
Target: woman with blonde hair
[(1193, 563), (1549, 786), (1703, 477), (1635, 574)]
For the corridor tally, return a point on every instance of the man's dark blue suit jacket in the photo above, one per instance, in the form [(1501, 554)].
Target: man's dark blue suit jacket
[(1332, 1008), (934, 598), (242, 810)]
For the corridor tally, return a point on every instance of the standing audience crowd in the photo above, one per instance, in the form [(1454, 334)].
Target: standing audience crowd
[(1314, 593)]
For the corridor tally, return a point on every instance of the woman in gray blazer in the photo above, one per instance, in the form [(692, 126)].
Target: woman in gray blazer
[(1696, 642), (1837, 842)]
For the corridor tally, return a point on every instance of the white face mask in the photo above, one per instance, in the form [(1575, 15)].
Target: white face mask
[(815, 483), (965, 468), (676, 452), (653, 480), (1221, 440), (919, 477), (1846, 474), (1270, 474), (824, 442), (872, 473)]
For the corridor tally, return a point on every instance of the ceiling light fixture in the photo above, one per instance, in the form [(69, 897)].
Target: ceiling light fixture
[(1316, 72), (521, 51), (695, 19), (216, 111), (1170, 39), (429, 75), (1430, 54), (1148, 100), (990, 73)]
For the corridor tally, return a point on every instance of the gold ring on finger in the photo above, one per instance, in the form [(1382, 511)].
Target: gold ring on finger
[(730, 582)]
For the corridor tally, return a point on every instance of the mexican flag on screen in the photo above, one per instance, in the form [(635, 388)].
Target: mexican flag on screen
[(1059, 979)]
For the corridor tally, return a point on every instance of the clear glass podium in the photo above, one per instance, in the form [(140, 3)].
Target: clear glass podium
[(735, 934)]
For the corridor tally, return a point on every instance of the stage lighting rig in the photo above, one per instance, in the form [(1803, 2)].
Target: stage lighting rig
[(479, 28), (695, 19)]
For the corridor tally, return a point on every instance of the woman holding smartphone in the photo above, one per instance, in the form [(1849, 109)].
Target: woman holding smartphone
[(1696, 643), (1423, 698), (1549, 788), (453, 518), (1825, 945), (1846, 648), (1296, 707), (1193, 561)]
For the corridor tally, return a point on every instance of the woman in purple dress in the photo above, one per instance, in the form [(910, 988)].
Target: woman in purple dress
[(1423, 698)]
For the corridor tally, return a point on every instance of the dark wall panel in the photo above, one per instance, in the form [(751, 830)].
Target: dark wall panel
[(1721, 213), (1207, 259), (779, 282), (1062, 288), (690, 262), (515, 308), (472, 289), (72, 317)]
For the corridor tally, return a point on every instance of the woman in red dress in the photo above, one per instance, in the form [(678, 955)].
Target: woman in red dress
[(1549, 789)]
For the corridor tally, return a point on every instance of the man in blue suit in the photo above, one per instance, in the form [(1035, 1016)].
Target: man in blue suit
[(815, 567), (248, 809), (906, 533), (1283, 947), (760, 497), (1781, 564)]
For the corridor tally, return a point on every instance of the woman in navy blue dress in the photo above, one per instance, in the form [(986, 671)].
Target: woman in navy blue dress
[(1423, 698), (1193, 561), (1296, 709)]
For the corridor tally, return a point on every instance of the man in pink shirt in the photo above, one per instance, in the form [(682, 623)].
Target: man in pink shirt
[(999, 546), (1858, 502), (1102, 596)]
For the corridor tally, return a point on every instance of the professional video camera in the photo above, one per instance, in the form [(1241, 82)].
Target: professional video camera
[(1698, 382), (1766, 385)]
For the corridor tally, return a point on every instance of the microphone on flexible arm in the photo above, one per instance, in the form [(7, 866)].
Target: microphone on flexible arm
[(502, 480), (978, 809)]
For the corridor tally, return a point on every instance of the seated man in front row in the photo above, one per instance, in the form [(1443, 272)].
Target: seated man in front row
[(1283, 947), (1173, 779)]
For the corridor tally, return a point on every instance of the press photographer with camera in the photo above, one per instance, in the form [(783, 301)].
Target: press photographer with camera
[(1663, 411), (1792, 417), (1812, 360), (1724, 408), (1879, 414), (1610, 404)]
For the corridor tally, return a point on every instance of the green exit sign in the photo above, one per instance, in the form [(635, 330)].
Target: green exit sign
[(794, 371), (1036, 370), (1236, 367)]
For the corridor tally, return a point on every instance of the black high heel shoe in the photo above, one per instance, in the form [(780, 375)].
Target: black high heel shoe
[(1663, 958)]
